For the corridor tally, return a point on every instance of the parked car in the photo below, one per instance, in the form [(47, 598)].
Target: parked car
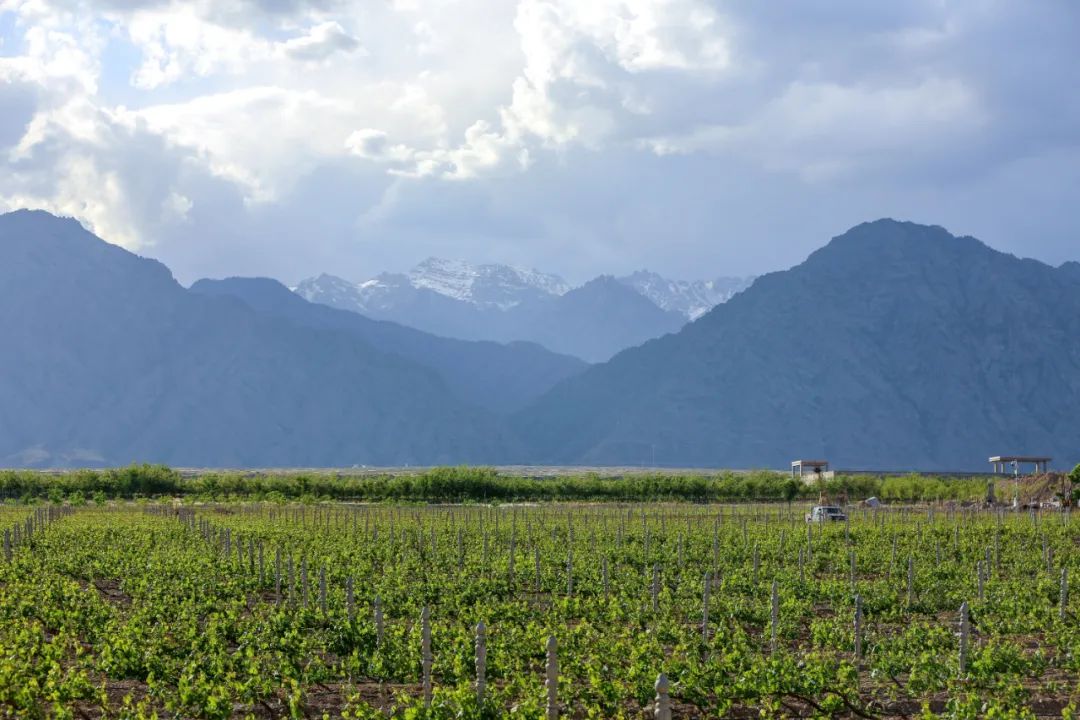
[(826, 513)]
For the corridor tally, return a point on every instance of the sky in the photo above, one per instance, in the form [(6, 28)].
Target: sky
[(696, 138)]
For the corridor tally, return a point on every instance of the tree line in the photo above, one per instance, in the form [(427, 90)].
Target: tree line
[(470, 484)]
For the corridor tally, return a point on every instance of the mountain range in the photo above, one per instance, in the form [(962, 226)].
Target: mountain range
[(894, 346), (108, 359), (504, 303)]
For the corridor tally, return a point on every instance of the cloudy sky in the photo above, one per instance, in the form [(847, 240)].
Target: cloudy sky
[(693, 137)]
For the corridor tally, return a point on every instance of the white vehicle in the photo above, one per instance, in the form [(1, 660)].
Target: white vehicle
[(826, 513)]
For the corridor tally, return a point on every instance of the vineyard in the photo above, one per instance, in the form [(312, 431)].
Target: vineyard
[(237, 610)]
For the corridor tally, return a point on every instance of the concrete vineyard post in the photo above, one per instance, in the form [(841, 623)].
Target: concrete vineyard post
[(851, 561), (655, 588), (663, 701), (604, 575), (551, 682), (292, 580), (425, 651), (1063, 602), (322, 590), (965, 629), (757, 563), (716, 547), (304, 579), (481, 662), (510, 567), (705, 608), (350, 597), (980, 580)]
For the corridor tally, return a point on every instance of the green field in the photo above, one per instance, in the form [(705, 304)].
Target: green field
[(243, 610)]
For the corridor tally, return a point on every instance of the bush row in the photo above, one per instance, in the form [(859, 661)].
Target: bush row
[(463, 484)]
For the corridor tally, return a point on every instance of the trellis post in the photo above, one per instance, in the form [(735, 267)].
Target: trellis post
[(322, 590), (655, 588), (552, 680), (1064, 600), (481, 662), (705, 608), (965, 630), (663, 701)]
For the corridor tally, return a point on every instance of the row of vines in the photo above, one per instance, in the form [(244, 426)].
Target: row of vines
[(264, 611)]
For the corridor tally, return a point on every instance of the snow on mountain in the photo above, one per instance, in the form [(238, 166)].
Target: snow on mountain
[(333, 291), (689, 298), (501, 286)]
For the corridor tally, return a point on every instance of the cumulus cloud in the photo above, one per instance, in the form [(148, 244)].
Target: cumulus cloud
[(566, 129), (322, 41)]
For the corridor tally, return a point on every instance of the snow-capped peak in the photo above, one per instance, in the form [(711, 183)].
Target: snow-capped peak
[(502, 286), (690, 298)]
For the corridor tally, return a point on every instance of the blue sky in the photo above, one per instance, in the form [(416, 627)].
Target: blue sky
[(693, 137)]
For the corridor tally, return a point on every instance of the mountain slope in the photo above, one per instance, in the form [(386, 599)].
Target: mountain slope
[(897, 345), (108, 360), (502, 378), (594, 321)]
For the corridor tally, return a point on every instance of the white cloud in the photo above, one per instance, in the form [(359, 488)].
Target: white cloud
[(177, 43), (125, 112), (321, 42)]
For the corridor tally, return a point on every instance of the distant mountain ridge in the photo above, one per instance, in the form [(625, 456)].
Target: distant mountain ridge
[(895, 346), (503, 303), (501, 286), (108, 361), (498, 377)]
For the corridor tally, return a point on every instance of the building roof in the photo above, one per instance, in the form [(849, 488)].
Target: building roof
[(809, 463), (1020, 458)]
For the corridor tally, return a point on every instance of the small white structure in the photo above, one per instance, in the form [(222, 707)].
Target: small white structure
[(1038, 463), (818, 469)]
